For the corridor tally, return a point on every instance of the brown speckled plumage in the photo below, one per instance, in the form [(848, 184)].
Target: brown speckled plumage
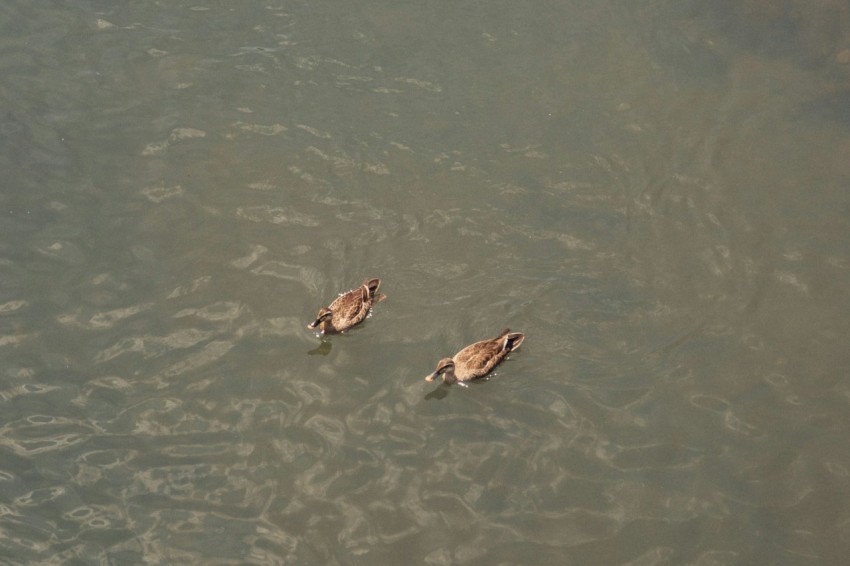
[(348, 309), (477, 360)]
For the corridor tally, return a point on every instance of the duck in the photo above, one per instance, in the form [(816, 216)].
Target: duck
[(349, 309), (478, 359)]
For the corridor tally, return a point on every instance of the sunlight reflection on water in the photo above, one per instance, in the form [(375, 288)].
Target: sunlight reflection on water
[(652, 194)]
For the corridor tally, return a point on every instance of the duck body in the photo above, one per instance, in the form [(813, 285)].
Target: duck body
[(478, 359), (349, 309)]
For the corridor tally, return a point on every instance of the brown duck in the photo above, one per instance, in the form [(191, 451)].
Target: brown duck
[(477, 360), (348, 309)]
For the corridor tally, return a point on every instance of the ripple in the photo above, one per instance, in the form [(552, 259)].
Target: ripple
[(145, 418), (277, 215), (310, 277), (107, 459), (27, 389), (345, 162), (426, 85), (716, 557), (198, 430), (267, 546), (221, 311), (179, 484), (104, 319), (79, 513), (48, 443), (314, 131), (196, 285), (160, 193), (15, 339), (261, 129), (37, 434), (729, 419), (332, 430), (793, 280), (656, 457), (62, 250), (310, 392), (710, 403), (12, 306), (198, 450), (210, 353), (246, 261), (837, 469), (39, 496), (176, 135), (777, 380), (307, 177), (735, 423), (153, 346)]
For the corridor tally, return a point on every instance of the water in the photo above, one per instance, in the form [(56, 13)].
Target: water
[(654, 192)]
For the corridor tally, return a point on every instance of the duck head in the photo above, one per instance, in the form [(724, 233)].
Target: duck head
[(323, 318), (446, 368)]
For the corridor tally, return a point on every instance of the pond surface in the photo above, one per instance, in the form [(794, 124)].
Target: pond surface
[(655, 193)]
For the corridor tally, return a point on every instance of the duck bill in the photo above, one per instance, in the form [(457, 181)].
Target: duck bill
[(432, 376), (315, 323)]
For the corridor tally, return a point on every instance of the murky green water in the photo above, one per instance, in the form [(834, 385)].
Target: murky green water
[(656, 193)]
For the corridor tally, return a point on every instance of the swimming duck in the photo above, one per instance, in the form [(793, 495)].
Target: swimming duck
[(477, 360), (348, 309)]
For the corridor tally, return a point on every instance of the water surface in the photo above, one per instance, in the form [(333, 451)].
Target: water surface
[(654, 192)]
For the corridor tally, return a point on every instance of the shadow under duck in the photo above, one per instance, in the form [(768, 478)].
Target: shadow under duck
[(477, 360), (349, 309)]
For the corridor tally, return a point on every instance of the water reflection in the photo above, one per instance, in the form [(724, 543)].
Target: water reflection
[(438, 393), (323, 349), (655, 190)]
